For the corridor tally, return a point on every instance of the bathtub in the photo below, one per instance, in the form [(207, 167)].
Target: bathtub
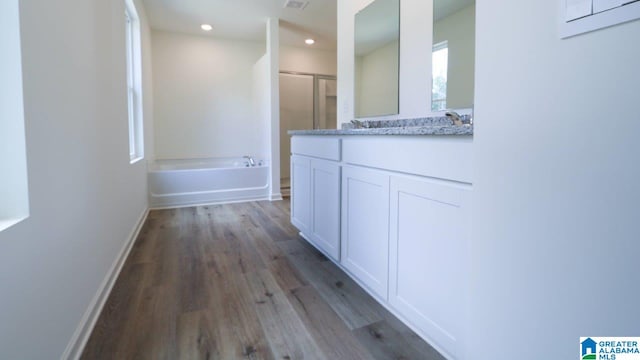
[(190, 182)]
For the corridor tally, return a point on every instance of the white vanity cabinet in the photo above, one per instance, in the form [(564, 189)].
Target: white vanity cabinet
[(325, 207), (301, 193), (315, 192), (403, 226), (365, 226), (428, 255)]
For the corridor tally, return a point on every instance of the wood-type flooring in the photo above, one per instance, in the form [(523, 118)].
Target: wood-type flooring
[(235, 281)]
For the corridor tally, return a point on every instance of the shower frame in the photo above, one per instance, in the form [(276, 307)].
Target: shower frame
[(316, 93)]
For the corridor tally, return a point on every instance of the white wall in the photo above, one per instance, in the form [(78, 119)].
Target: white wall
[(415, 58), (273, 55), (376, 79), (458, 29), (556, 239), (14, 203), (261, 98), (202, 97), (308, 60), (85, 197)]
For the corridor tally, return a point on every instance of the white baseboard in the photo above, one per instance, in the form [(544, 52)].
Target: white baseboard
[(275, 197), (85, 327), (210, 203), (176, 200)]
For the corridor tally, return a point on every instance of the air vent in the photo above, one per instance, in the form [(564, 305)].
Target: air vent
[(296, 4)]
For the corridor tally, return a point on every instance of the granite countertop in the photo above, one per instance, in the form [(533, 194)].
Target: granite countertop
[(422, 126)]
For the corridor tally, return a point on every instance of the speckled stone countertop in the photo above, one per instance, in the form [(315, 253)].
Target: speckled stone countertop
[(422, 126)]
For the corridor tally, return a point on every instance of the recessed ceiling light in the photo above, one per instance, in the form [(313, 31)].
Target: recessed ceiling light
[(296, 4), (309, 41), (206, 27)]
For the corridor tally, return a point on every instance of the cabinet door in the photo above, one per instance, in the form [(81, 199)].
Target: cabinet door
[(325, 199), (365, 227), (428, 255), (301, 193)]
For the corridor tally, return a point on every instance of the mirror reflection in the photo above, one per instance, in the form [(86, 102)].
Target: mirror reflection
[(377, 52), (454, 37)]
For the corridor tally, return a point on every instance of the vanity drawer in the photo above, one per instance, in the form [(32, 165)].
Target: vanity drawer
[(443, 157), (322, 147)]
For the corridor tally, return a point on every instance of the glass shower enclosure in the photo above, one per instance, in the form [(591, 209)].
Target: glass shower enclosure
[(307, 101)]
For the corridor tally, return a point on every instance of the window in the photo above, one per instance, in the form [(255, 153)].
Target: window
[(134, 83), (14, 190), (440, 63)]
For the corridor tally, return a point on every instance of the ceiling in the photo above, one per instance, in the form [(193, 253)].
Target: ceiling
[(444, 8), (377, 25), (246, 19)]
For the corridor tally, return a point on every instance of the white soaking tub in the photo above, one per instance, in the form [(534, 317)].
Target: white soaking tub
[(189, 182)]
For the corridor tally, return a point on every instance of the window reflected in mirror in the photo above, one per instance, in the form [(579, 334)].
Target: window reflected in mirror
[(440, 64), (453, 59)]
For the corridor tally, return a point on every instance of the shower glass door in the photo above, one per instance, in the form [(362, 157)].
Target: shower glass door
[(296, 113), (326, 100), (307, 101)]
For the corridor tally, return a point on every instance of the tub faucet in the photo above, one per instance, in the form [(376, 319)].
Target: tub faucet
[(250, 160)]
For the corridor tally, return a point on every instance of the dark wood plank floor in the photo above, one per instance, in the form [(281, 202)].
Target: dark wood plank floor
[(236, 282)]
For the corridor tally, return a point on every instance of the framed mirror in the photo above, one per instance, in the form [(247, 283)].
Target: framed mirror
[(454, 34), (377, 59)]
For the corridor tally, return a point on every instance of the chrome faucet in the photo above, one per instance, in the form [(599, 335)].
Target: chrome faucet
[(455, 117), (357, 124), (250, 160)]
